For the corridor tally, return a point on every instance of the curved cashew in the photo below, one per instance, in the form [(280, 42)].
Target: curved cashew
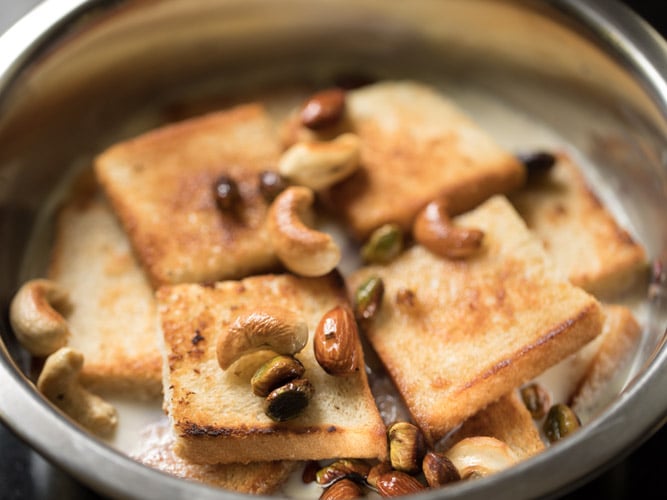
[(273, 328), (434, 229), (480, 456), (35, 316), (59, 382), (302, 250), (318, 165)]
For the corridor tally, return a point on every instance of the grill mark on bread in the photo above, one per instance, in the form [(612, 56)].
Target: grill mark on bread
[(191, 429)]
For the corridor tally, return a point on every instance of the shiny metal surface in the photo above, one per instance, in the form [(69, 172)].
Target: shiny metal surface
[(73, 70)]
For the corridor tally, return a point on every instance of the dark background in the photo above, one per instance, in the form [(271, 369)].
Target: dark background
[(25, 476)]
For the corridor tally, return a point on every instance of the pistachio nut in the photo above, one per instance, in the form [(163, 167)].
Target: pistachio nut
[(406, 446), (439, 470), (561, 421), (288, 401), (274, 373), (368, 299), (349, 468), (383, 245), (345, 489), (536, 398)]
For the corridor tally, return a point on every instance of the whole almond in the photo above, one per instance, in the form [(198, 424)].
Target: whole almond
[(336, 342), (343, 489), (398, 484), (323, 109)]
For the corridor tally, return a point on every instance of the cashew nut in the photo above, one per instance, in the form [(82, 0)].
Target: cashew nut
[(36, 316), (273, 328), (301, 249), (480, 456), (59, 382), (318, 165), (434, 230)]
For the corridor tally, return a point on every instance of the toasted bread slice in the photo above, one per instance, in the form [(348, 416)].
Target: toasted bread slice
[(416, 145), (113, 317), (508, 420), (608, 358), (217, 418), (580, 234), (259, 478), (161, 185), (477, 328)]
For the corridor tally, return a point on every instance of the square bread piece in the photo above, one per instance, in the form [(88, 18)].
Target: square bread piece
[(161, 185), (258, 478), (416, 145), (508, 420), (580, 234), (477, 328), (215, 415), (113, 315)]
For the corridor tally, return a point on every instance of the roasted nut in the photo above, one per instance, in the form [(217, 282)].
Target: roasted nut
[(323, 109), (227, 195), (439, 470), (287, 402), (397, 484), (275, 372), (434, 230), (561, 421), (536, 398), (368, 299), (309, 474), (384, 244), (336, 342), (272, 328), (36, 316), (345, 489), (537, 162), (480, 456), (302, 250), (271, 184), (59, 382), (342, 468), (319, 165), (406, 446), (376, 471)]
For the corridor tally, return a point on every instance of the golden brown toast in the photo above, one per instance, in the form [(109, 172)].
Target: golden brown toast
[(606, 361), (161, 185), (580, 234), (259, 478), (416, 145), (508, 420), (217, 418), (112, 321), (479, 327)]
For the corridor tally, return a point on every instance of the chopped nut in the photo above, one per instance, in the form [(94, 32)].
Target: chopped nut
[(287, 402), (368, 299), (336, 342), (323, 109), (397, 484), (406, 446), (384, 244), (434, 230), (561, 421), (274, 373), (439, 470), (345, 489), (537, 400), (342, 468)]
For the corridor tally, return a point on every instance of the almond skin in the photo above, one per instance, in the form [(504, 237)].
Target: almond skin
[(323, 109), (336, 342), (343, 489), (398, 484)]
